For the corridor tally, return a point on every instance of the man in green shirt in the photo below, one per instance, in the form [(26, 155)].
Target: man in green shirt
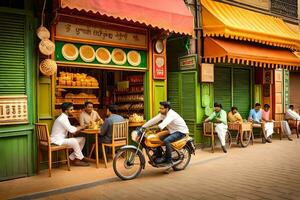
[(219, 116)]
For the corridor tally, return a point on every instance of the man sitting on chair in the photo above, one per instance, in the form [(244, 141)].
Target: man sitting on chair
[(219, 116), (106, 128), (89, 115), (59, 133), (234, 116), (291, 114)]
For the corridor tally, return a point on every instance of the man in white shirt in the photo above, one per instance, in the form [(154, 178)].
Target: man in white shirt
[(175, 125), (291, 114), (59, 133)]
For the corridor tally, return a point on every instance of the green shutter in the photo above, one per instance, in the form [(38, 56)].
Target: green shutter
[(222, 87), (173, 91), (12, 54), (188, 99), (241, 91)]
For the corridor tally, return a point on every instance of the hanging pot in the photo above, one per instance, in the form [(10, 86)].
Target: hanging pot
[(46, 47), (48, 67), (43, 33)]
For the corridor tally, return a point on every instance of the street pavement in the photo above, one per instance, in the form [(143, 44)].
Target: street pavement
[(262, 171)]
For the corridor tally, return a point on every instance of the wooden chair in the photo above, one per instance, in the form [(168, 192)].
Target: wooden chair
[(262, 131), (119, 138), (209, 131), (294, 124), (44, 143)]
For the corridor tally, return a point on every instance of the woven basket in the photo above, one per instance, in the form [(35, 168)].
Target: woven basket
[(46, 47), (48, 67), (43, 33)]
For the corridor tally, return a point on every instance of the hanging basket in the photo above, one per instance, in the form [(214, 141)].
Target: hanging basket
[(43, 33), (47, 47), (48, 67)]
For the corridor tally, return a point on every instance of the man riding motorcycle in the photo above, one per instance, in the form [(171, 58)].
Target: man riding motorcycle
[(175, 125)]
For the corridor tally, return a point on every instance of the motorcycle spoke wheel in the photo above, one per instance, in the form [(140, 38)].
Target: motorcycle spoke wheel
[(127, 164)]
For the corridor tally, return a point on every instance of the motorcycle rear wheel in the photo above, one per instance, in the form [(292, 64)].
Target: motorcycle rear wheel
[(126, 160), (185, 161)]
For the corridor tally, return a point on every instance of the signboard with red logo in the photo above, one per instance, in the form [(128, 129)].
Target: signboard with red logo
[(159, 69)]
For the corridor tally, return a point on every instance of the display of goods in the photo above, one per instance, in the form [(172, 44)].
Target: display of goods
[(69, 95), (139, 106), (69, 51), (48, 67), (103, 55), (43, 33), (46, 47), (134, 58), (77, 79), (130, 98), (87, 53), (136, 89), (136, 118), (136, 79), (118, 56), (124, 107)]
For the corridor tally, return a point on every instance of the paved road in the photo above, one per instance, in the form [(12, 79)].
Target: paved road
[(261, 171)]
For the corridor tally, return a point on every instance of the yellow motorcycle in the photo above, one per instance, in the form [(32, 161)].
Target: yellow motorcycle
[(130, 160)]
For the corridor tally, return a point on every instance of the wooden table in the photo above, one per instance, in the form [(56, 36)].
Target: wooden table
[(93, 132)]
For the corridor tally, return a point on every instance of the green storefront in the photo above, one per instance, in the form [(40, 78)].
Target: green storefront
[(17, 89)]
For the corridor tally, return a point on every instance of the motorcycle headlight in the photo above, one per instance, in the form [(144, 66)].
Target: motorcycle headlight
[(135, 136)]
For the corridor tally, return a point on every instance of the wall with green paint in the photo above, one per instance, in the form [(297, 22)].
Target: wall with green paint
[(18, 142), (159, 94)]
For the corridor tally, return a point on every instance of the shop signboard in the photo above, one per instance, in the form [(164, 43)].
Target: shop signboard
[(98, 33), (188, 62), (159, 67)]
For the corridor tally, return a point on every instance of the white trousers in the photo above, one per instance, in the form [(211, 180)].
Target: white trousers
[(269, 128), (77, 144), (221, 130), (286, 128)]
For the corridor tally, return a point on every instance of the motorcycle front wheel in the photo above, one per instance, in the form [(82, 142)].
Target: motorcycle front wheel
[(127, 164)]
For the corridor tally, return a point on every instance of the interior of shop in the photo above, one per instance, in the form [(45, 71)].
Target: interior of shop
[(102, 88)]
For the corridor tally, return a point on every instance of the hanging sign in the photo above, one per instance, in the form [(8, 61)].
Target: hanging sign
[(159, 69), (207, 73), (101, 34), (267, 76), (188, 62)]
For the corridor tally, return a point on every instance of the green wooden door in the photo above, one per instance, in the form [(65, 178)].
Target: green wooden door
[(12, 54), (222, 87), (242, 91)]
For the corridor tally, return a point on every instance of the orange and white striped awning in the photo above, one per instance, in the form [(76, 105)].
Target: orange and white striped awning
[(217, 50)]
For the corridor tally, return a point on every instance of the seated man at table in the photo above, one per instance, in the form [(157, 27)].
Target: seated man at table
[(106, 128), (269, 123), (219, 117), (255, 116), (292, 114), (89, 115), (59, 133), (234, 116)]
